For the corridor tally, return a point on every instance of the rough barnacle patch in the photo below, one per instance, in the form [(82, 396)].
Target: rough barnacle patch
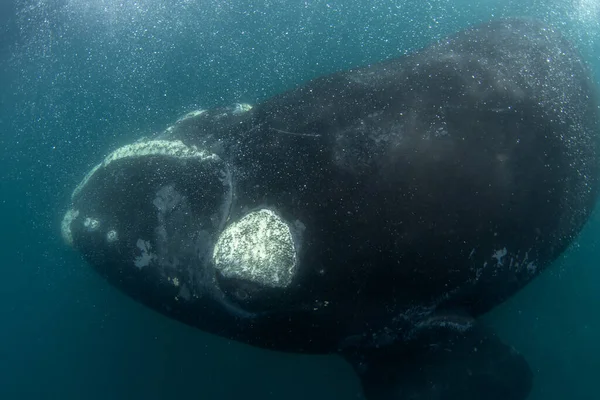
[(91, 224), (167, 148), (65, 226), (191, 114), (84, 181), (258, 248), (112, 236), (173, 148), (240, 108)]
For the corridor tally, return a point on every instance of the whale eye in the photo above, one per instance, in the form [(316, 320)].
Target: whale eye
[(241, 294)]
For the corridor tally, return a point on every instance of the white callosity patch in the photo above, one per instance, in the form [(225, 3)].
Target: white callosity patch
[(168, 148), (65, 226), (85, 180), (184, 120), (91, 224), (174, 148), (112, 236), (259, 248), (146, 257), (241, 108), (190, 115)]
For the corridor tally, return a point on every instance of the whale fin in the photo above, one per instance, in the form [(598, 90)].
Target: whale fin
[(449, 357)]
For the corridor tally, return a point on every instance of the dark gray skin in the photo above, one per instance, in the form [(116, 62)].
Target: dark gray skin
[(421, 192)]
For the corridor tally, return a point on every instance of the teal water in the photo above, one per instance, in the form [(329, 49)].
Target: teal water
[(80, 77)]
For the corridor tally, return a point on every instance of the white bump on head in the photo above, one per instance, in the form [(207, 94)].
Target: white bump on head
[(190, 115), (242, 108), (112, 236), (91, 224), (168, 148), (65, 226), (258, 248)]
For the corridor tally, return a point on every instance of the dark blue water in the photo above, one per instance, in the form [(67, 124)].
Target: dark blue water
[(80, 77)]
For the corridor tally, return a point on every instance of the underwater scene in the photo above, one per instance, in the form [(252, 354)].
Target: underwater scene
[(223, 199)]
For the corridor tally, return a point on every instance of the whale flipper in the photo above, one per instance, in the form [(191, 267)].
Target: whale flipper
[(449, 357)]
